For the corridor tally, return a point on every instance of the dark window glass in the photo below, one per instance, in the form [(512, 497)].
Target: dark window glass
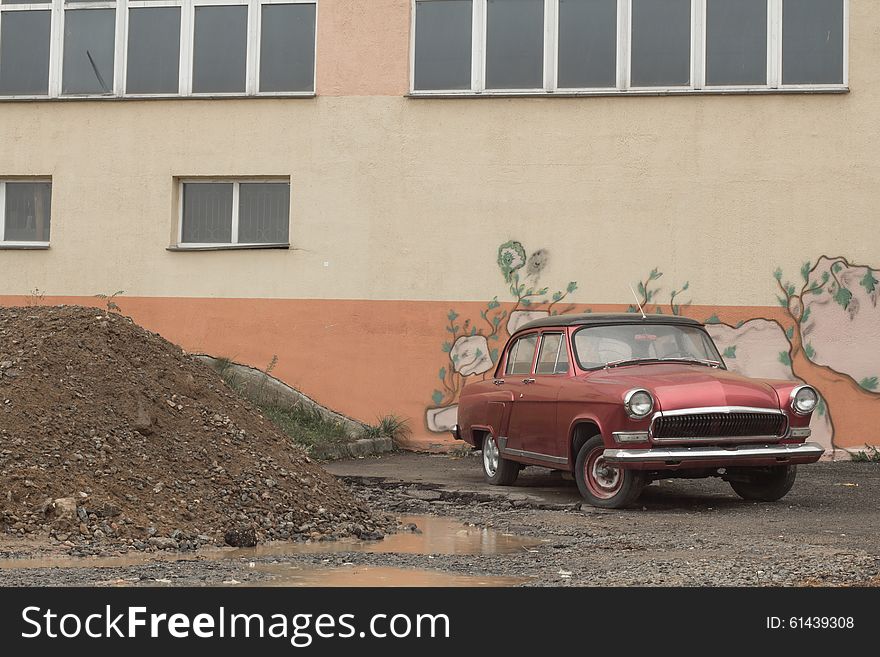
[(287, 48), (263, 216), (24, 52), (661, 43), (153, 50), (736, 42), (28, 208), (220, 49), (443, 44), (812, 42), (515, 44), (207, 213), (587, 44), (89, 35)]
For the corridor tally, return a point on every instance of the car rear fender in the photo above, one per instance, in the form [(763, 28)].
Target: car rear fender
[(477, 433)]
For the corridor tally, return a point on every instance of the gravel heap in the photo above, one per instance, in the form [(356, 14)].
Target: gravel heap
[(112, 436)]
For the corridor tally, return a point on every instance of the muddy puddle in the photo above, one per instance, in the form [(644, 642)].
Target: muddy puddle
[(432, 535), (377, 576)]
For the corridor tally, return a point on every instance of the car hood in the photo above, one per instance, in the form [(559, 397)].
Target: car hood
[(676, 386)]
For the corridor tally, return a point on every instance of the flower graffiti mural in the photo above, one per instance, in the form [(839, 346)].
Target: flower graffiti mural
[(825, 332), (472, 344)]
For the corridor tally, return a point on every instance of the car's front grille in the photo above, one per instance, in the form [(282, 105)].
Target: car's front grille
[(712, 425)]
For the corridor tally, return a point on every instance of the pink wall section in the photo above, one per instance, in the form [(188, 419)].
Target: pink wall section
[(363, 47)]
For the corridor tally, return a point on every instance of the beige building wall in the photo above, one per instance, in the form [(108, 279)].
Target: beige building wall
[(408, 199), (719, 188)]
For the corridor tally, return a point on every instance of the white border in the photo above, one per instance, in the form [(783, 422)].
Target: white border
[(236, 184), (187, 30), (697, 83), (21, 244)]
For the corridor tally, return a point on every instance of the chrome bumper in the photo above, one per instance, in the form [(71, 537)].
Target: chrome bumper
[(676, 455)]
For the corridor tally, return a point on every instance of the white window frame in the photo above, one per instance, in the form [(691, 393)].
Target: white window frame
[(187, 31), (20, 244), (697, 83), (234, 244)]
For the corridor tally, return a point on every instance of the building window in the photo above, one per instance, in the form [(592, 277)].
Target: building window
[(515, 44), (234, 213), (89, 36), (287, 47), (153, 54), (220, 50), (24, 52), (464, 47), (443, 39), (58, 48), (25, 207), (660, 54), (587, 44), (736, 42), (813, 42)]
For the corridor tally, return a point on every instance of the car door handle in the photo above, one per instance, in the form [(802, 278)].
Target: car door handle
[(528, 380), (498, 382)]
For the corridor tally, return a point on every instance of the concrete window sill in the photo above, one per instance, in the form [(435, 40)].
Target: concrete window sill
[(227, 247), (24, 247)]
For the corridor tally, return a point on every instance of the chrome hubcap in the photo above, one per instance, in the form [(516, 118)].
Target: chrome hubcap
[(490, 456)]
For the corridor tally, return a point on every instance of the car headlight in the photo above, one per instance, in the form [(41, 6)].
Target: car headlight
[(804, 400), (638, 403)]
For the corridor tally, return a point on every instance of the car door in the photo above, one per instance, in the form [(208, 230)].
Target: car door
[(517, 371), (537, 408)]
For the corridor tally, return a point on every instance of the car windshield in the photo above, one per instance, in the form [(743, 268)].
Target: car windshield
[(609, 346)]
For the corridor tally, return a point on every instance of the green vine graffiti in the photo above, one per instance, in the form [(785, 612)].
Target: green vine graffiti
[(648, 291), (472, 346)]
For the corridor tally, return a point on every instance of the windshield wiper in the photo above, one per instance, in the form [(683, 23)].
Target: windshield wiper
[(682, 359), (698, 361), (631, 361)]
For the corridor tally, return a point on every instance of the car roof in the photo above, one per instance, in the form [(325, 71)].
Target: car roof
[(604, 319)]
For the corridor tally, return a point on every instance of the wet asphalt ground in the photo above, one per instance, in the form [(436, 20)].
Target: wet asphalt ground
[(826, 532)]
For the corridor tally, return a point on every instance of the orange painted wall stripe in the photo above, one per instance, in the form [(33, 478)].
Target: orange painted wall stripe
[(365, 359)]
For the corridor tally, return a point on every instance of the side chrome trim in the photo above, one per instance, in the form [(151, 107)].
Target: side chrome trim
[(630, 436), (508, 451), (680, 454)]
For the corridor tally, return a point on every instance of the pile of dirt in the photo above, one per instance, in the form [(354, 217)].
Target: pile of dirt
[(110, 434)]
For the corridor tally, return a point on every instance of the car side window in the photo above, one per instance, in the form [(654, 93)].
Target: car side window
[(553, 357), (521, 355)]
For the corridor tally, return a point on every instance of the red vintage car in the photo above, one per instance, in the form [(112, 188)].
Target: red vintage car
[(621, 400)]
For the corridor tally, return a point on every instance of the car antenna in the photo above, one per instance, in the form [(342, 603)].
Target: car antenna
[(641, 310)]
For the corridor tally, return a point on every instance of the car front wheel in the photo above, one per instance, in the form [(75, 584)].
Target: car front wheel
[(497, 470), (602, 484), (767, 485)]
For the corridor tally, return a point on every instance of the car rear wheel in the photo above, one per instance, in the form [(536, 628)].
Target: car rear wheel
[(602, 484), (497, 470), (767, 485)]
